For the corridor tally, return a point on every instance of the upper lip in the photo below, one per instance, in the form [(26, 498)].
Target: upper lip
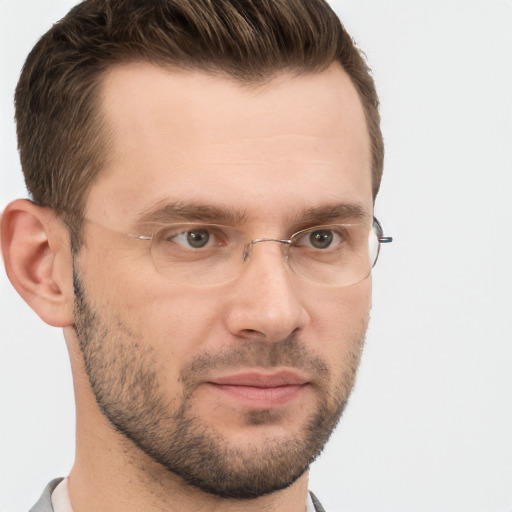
[(260, 379)]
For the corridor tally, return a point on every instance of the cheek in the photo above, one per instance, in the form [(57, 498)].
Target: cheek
[(175, 321), (339, 319), (178, 322)]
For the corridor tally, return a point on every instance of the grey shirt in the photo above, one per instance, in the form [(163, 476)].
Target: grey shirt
[(45, 501)]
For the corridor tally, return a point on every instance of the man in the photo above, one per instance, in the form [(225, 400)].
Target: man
[(203, 175)]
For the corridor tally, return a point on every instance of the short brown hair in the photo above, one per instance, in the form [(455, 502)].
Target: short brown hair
[(59, 124)]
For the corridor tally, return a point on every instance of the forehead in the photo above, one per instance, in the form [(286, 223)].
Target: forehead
[(293, 141)]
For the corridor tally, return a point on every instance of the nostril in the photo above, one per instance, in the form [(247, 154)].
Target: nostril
[(251, 334)]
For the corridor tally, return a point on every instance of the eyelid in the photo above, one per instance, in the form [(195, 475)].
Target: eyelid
[(182, 226), (331, 226), (322, 227), (185, 227), (220, 232)]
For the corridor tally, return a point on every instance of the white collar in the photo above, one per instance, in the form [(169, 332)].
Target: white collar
[(60, 497)]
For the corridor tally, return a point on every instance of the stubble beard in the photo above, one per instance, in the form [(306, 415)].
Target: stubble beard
[(123, 374)]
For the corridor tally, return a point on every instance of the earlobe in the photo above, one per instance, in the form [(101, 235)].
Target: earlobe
[(38, 261)]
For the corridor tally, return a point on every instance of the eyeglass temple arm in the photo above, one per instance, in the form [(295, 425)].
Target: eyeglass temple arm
[(381, 238)]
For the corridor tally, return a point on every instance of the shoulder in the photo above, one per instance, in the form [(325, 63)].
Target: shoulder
[(316, 503), (45, 502)]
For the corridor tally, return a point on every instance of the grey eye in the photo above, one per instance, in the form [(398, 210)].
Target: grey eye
[(321, 239), (198, 238)]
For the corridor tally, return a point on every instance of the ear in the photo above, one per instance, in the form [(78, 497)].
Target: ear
[(38, 262)]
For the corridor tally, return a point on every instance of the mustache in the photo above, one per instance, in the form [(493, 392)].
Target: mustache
[(251, 353)]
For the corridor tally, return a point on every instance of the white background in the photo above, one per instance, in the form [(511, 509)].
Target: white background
[(429, 426)]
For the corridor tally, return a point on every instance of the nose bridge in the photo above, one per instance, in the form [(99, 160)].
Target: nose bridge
[(266, 299)]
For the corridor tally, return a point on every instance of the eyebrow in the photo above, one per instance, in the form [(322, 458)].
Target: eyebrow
[(166, 212), (176, 211), (339, 212)]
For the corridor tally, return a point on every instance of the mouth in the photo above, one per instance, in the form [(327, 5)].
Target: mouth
[(260, 390)]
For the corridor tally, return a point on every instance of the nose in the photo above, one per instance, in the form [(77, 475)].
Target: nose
[(266, 301)]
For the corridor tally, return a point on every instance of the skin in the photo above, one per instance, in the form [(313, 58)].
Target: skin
[(264, 154)]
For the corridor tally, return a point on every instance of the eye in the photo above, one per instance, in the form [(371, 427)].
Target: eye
[(192, 243), (320, 238), (193, 238)]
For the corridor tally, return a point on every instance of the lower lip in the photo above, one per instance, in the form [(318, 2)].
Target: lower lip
[(258, 397)]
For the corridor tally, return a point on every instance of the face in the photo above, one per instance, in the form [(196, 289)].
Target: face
[(233, 387)]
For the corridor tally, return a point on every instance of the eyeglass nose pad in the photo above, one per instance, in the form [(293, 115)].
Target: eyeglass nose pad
[(247, 251), (284, 243)]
